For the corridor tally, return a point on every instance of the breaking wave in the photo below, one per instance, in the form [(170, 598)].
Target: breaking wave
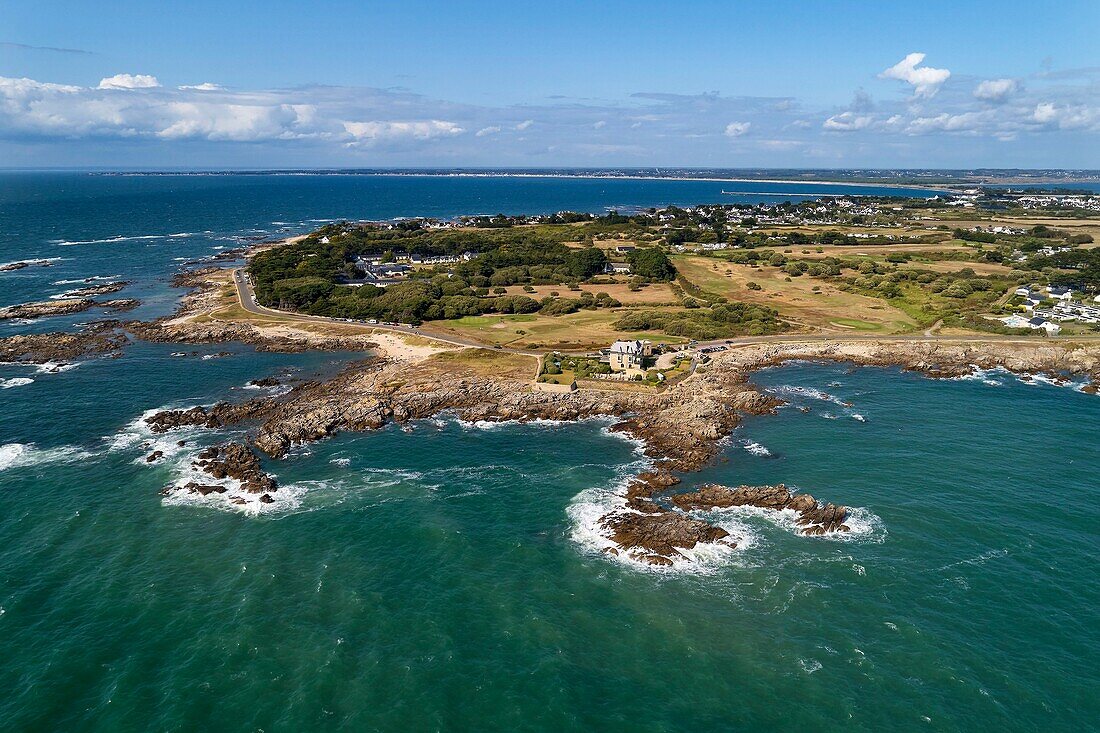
[(21, 455)]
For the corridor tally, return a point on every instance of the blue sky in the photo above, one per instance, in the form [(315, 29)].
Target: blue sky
[(782, 84)]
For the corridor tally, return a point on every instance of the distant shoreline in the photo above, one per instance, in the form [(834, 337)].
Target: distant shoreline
[(940, 187)]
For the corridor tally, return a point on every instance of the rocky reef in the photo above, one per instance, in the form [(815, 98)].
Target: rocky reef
[(816, 518), (233, 460), (63, 307), (90, 290), (39, 348), (13, 266)]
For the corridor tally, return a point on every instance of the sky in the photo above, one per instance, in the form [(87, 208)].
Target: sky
[(829, 84)]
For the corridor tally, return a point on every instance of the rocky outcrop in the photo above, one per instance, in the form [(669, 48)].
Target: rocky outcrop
[(63, 307), (91, 290), (236, 461), (12, 266), (815, 517), (658, 537), (40, 348)]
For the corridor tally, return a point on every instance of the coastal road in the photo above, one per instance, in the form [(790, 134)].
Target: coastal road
[(247, 298)]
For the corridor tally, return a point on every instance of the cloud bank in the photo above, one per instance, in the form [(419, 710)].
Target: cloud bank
[(938, 120)]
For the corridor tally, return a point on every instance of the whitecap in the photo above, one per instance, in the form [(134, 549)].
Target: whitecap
[(809, 666), (756, 449), (108, 240), (1055, 381), (20, 455), (857, 416), (55, 367), (985, 376), (138, 434), (587, 508), (863, 525), (808, 392), (15, 382)]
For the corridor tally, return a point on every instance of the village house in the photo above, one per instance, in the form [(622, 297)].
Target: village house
[(1050, 327), (1060, 293), (629, 356), (617, 268)]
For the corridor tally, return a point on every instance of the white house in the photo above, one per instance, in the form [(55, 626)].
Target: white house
[(1050, 327), (617, 268), (1023, 292), (627, 355), (1060, 293)]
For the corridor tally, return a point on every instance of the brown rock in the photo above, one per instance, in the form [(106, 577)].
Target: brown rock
[(816, 518), (657, 537)]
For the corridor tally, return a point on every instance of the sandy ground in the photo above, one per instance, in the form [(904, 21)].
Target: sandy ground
[(405, 350)]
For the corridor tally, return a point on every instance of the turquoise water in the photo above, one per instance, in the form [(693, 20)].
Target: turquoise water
[(445, 579)]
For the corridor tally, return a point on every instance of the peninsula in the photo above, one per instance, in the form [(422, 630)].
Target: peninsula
[(652, 319)]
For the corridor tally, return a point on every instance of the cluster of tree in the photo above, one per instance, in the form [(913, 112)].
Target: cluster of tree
[(969, 236), (1083, 263), (720, 321), (963, 285), (419, 300)]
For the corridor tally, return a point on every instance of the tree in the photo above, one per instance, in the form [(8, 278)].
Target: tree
[(651, 263), (586, 262)]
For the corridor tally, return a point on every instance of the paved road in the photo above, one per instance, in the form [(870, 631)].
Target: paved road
[(247, 300)]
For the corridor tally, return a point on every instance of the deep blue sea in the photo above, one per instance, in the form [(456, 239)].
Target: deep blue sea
[(447, 578)]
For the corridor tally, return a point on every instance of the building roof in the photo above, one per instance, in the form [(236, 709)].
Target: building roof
[(626, 347)]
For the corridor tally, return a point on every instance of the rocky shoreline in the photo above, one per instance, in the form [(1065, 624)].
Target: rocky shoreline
[(680, 428)]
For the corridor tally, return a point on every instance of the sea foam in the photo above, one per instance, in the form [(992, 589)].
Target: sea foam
[(20, 455)]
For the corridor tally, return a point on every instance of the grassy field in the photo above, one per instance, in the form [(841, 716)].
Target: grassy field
[(654, 294), (584, 330), (485, 363), (979, 268), (827, 309)]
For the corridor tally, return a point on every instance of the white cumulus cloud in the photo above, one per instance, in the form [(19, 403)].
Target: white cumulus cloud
[(1044, 112), (926, 81), (206, 86), (525, 124), (485, 131), (995, 90), (380, 131), (129, 81), (737, 129), (848, 122)]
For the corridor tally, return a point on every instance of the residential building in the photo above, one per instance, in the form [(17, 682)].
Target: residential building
[(626, 356)]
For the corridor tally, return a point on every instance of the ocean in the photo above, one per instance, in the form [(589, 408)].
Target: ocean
[(446, 577)]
